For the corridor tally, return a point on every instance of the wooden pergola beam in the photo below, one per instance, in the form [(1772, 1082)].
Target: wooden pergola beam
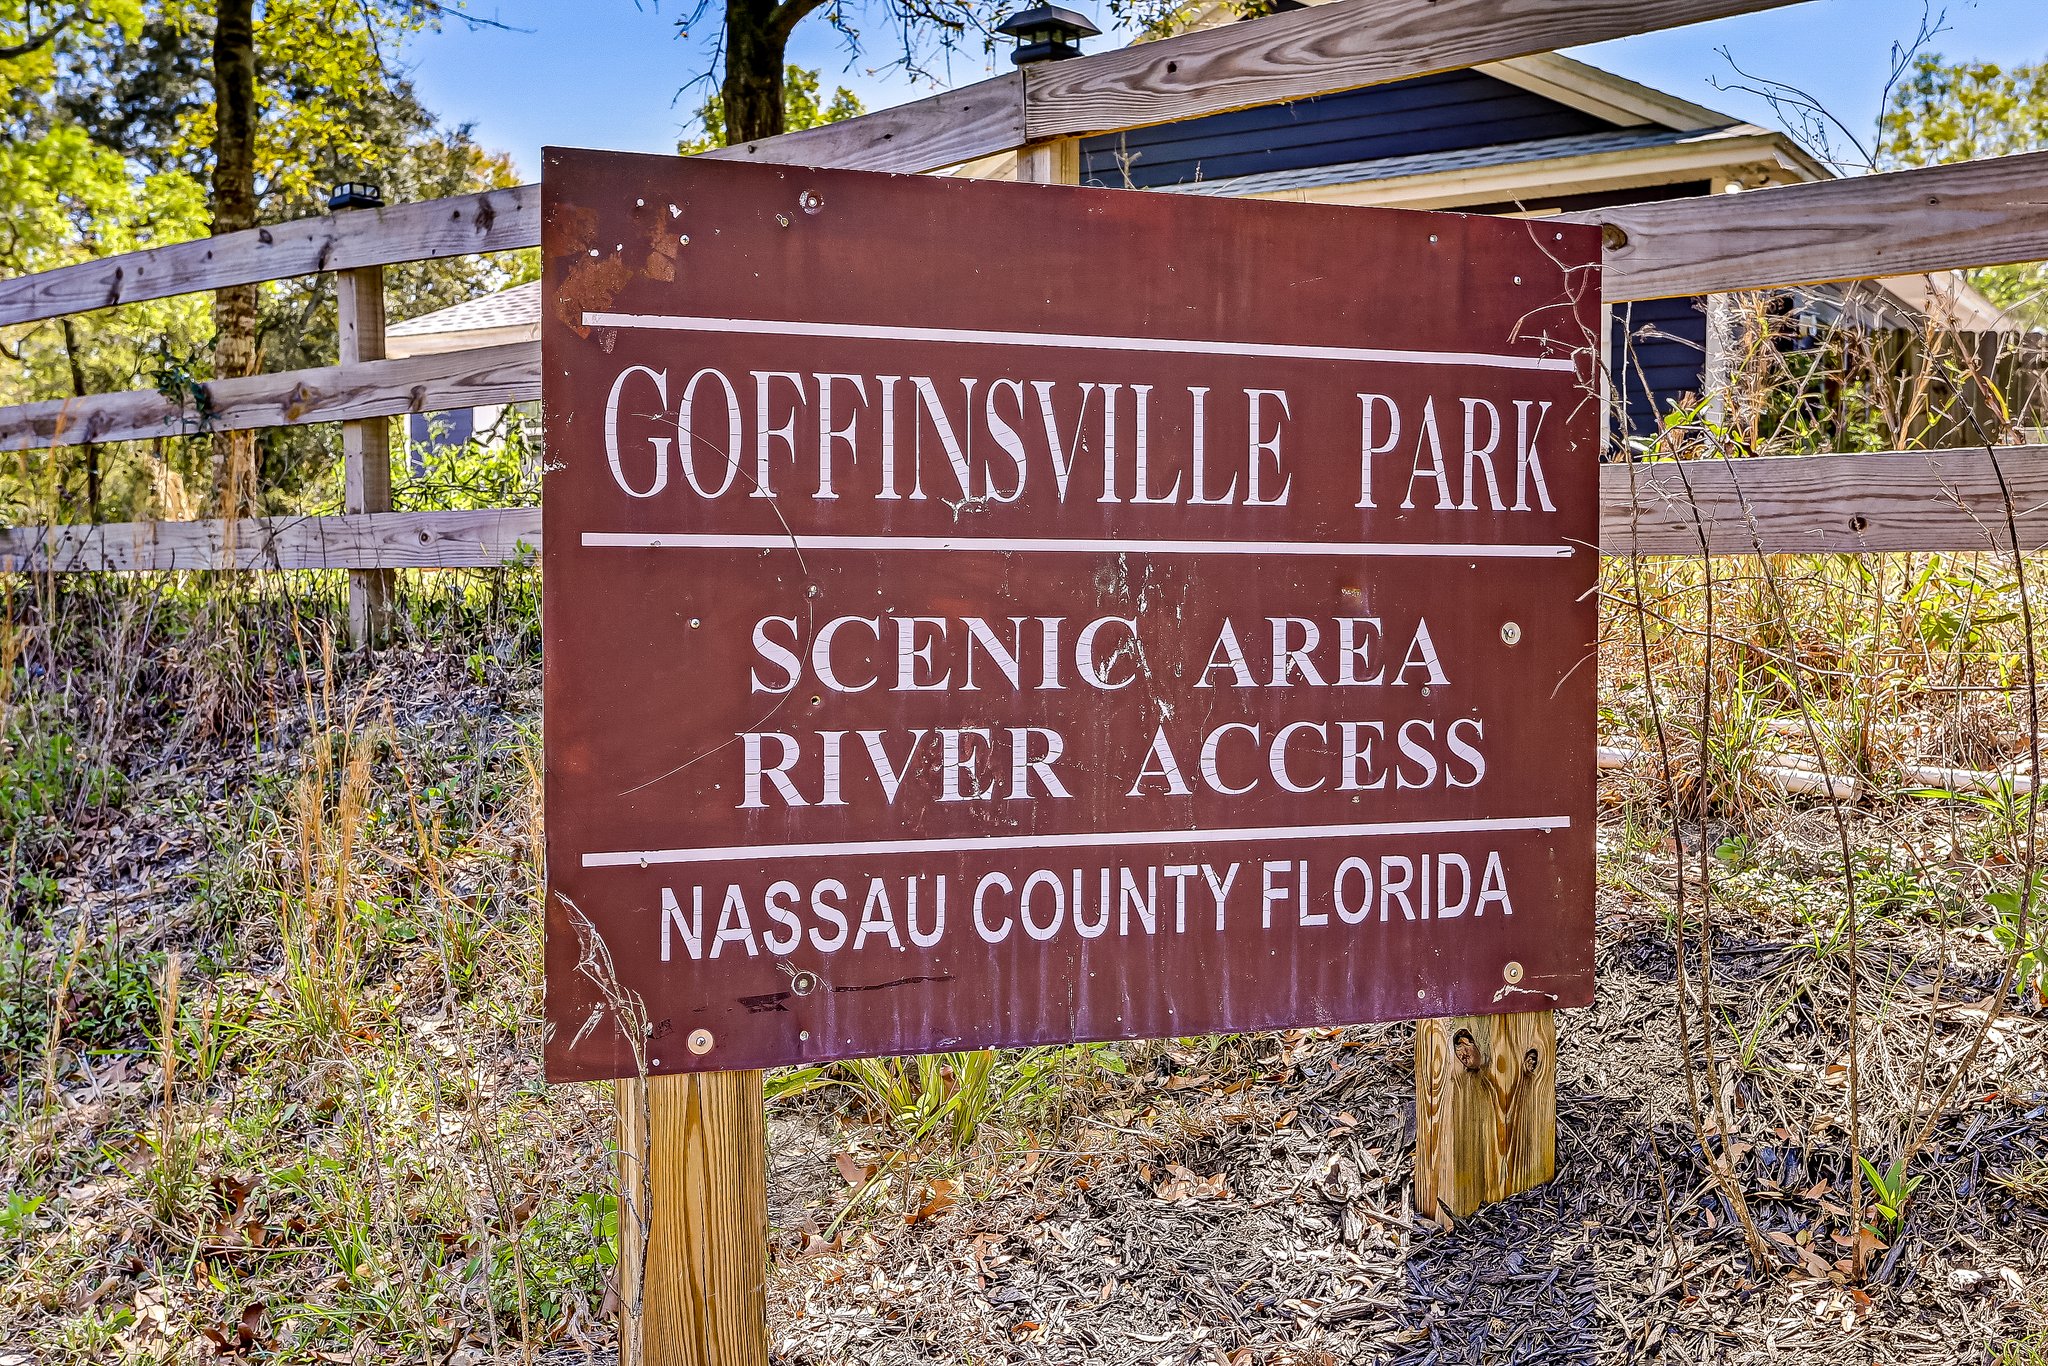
[(1320, 50)]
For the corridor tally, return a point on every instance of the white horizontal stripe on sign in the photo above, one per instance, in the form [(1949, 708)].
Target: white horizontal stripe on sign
[(766, 327), (642, 858), (681, 540)]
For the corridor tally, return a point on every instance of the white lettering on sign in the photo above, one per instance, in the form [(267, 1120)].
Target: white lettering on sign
[(980, 440), (1428, 461), (947, 655), (827, 917)]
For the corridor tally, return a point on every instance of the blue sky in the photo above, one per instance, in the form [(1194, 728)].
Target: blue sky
[(605, 73)]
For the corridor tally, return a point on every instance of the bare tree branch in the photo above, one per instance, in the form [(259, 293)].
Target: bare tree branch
[(38, 40)]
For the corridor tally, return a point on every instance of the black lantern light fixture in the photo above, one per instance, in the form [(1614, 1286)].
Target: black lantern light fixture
[(355, 194), (1046, 33)]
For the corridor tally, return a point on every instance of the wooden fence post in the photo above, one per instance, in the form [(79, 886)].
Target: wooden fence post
[(365, 451), (1485, 1109), (1057, 162), (693, 1220)]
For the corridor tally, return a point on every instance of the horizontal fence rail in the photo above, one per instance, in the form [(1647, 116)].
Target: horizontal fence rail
[(1992, 212), (365, 540), (1889, 501), (335, 393), (1794, 505), (495, 220)]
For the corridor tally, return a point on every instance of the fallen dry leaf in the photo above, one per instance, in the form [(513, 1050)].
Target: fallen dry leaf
[(939, 1197), (814, 1243), (1183, 1186)]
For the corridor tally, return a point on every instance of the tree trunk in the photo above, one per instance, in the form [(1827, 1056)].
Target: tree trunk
[(756, 35), (234, 208)]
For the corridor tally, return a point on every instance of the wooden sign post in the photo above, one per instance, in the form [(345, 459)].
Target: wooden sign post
[(1485, 1110), (693, 1220), (985, 615)]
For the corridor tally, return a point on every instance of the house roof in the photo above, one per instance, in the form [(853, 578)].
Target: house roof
[(510, 315), (1615, 98), (1467, 159)]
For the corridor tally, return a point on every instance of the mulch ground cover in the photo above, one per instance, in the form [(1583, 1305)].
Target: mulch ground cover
[(1246, 1203)]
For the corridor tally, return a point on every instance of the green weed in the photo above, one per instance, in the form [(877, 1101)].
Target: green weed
[(43, 780), (2027, 938), (108, 993), (949, 1098), (2031, 1350), (1890, 1191)]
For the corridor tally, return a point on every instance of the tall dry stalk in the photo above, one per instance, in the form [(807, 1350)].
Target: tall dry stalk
[(317, 915), (1720, 1167), (176, 1158), (2029, 864), (60, 1002), (1778, 407)]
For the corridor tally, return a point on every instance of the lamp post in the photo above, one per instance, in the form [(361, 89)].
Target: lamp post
[(1046, 33), (355, 194)]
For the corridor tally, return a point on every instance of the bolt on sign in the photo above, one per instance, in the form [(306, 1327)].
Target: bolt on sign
[(982, 614)]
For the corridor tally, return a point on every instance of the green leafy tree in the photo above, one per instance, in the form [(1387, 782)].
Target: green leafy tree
[(31, 30), (107, 143), (70, 197), (1164, 18), (1962, 111), (800, 110)]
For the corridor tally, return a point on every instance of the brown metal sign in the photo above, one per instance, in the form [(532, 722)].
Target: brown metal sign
[(983, 614)]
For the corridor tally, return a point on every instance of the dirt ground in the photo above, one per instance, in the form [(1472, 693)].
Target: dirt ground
[(1243, 1201), (1248, 1202)]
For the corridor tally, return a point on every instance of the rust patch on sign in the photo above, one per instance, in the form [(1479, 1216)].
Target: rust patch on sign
[(663, 242), (591, 276), (981, 614)]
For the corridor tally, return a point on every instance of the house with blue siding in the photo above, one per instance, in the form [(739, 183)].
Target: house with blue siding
[(1530, 137)]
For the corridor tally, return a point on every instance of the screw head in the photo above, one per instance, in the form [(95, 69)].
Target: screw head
[(810, 201), (1511, 633), (804, 983), (700, 1041), (1513, 973)]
